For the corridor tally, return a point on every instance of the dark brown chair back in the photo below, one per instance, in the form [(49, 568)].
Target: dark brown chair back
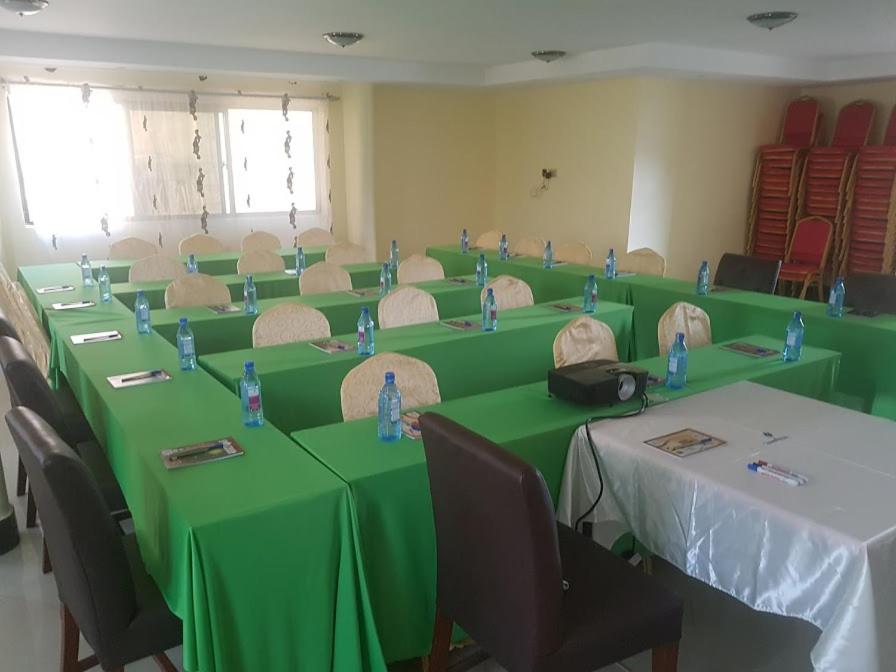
[(7, 328), (499, 572), (27, 385), (85, 545), (871, 293), (752, 274)]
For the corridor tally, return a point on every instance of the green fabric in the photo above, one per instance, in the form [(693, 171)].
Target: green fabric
[(259, 554), (268, 285), (300, 384), (222, 333), (391, 491)]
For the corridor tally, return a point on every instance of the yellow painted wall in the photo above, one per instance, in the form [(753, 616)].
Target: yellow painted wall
[(833, 97)]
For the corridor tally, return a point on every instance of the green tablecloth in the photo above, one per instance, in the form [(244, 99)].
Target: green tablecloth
[(300, 384), (391, 490), (258, 554), (221, 333)]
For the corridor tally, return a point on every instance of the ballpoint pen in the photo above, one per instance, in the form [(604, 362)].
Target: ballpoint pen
[(201, 450), (108, 336)]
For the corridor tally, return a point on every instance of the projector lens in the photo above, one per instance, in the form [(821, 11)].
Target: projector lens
[(627, 386)]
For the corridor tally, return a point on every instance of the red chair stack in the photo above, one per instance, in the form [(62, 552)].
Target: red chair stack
[(776, 179)]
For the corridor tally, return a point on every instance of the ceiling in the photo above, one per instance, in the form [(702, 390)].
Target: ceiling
[(464, 37)]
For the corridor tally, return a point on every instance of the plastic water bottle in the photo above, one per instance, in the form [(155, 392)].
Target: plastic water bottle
[(836, 298), (389, 425), (86, 271), (393, 256), (186, 346), (490, 311), (105, 285), (464, 242), (141, 312), (385, 279), (590, 304), (192, 264), (547, 259), (250, 396), (300, 261), (703, 279), (793, 340), (250, 297), (365, 333), (677, 371), (504, 248), (481, 271), (610, 265)]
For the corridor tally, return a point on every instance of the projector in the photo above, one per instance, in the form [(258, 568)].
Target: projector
[(601, 382)]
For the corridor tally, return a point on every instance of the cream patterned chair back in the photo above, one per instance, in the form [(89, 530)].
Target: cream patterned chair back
[(687, 318), (528, 246), (573, 253), (642, 261), (316, 237), (260, 240), (259, 261), (406, 305), (196, 289), (289, 323), (156, 267), (489, 240), (418, 268), (324, 277), (201, 243), (583, 340), (509, 292), (132, 248), (346, 253), (360, 388)]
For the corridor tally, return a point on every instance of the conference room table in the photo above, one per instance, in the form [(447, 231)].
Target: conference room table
[(390, 486), (301, 384)]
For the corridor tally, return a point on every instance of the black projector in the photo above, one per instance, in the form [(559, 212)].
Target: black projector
[(601, 382)]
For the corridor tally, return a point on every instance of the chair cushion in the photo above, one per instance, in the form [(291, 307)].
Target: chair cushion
[(611, 610), (94, 457)]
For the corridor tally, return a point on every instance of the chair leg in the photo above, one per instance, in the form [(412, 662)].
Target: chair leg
[(30, 511), (164, 663), (21, 479), (46, 566), (70, 634), (665, 658), (441, 643)]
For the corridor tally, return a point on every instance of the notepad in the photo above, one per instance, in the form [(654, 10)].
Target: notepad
[(96, 337), (463, 325), (138, 378), (225, 308), (55, 289), (330, 346), (201, 453), (749, 349), (685, 442), (72, 305)]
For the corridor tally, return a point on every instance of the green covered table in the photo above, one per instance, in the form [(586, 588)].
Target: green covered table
[(391, 489), (300, 384), (258, 555)]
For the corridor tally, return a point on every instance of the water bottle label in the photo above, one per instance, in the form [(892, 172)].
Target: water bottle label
[(791, 339), (254, 402), (361, 337), (395, 410), (673, 365), (493, 314), (143, 314), (187, 347), (593, 296)]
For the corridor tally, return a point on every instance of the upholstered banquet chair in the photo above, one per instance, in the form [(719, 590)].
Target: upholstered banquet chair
[(360, 388), (509, 292), (196, 289), (346, 253), (156, 267), (528, 246), (315, 237), (132, 248), (201, 243), (406, 305), (488, 240), (642, 261), (30, 329), (324, 277), (582, 340), (259, 261), (688, 319), (260, 240), (573, 253), (417, 268), (289, 323)]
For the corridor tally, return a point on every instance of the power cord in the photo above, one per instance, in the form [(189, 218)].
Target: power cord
[(600, 478)]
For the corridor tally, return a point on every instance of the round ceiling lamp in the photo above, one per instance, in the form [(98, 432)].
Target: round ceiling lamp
[(343, 40), (24, 7), (548, 55), (771, 20)]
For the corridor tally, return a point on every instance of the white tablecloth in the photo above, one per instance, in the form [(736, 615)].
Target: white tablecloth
[(824, 552)]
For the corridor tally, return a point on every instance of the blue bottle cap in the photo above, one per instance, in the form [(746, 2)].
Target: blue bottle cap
[(140, 294), (249, 278), (385, 265), (797, 315), (249, 365), (491, 292), (365, 309), (395, 242), (482, 257), (183, 321), (679, 337), (390, 377), (611, 250), (549, 242), (590, 277), (299, 248)]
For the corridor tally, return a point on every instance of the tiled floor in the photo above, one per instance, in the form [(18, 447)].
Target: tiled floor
[(721, 635)]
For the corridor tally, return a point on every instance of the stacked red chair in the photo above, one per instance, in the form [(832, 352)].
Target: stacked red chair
[(776, 180)]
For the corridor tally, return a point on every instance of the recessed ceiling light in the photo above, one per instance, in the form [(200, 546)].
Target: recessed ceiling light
[(548, 55), (24, 7), (771, 20), (341, 39)]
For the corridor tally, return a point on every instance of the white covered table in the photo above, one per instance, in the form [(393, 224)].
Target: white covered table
[(824, 552)]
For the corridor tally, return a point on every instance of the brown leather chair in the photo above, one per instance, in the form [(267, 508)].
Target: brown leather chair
[(7, 329), (533, 593), (870, 294), (737, 271), (105, 592)]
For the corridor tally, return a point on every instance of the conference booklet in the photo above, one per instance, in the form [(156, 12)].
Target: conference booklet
[(201, 453), (685, 442)]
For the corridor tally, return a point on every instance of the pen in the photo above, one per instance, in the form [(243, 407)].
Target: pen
[(142, 376), (199, 451), (103, 337), (759, 469), (782, 470)]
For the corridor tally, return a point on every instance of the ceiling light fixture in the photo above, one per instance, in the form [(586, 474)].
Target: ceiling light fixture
[(343, 40), (771, 20), (24, 7), (548, 55)]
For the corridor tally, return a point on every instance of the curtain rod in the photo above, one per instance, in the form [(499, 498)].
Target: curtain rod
[(139, 89)]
